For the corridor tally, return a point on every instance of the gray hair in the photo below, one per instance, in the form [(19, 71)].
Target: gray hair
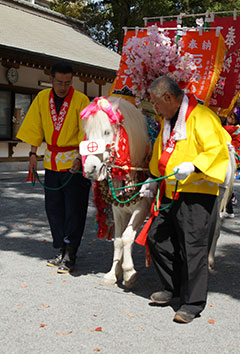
[(165, 84)]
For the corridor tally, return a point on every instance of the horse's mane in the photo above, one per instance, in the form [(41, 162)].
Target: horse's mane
[(135, 125), (96, 126)]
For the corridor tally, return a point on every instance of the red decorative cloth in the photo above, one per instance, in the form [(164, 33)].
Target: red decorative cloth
[(234, 131), (58, 121), (104, 230), (123, 156)]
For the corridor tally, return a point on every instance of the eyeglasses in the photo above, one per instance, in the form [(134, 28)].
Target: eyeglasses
[(162, 95), (61, 83), (158, 98)]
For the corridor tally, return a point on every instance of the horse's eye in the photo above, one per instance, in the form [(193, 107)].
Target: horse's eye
[(107, 132)]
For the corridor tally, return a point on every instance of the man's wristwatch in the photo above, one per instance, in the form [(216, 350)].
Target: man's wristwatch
[(32, 153)]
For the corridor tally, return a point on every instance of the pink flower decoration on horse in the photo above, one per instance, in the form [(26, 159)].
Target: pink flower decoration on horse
[(152, 55), (102, 104)]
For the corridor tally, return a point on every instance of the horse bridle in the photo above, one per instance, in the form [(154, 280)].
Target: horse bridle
[(108, 164)]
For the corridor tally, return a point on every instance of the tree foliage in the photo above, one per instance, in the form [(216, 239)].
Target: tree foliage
[(69, 8), (105, 19)]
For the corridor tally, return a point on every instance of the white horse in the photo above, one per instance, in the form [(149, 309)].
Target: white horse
[(121, 126)]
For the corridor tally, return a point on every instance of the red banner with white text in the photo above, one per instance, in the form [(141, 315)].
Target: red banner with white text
[(208, 50), (228, 86)]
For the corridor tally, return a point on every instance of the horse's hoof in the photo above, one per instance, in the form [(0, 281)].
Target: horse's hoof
[(210, 264), (108, 279), (211, 268), (130, 282)]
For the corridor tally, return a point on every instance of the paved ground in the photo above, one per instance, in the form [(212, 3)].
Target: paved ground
[(43, 312)]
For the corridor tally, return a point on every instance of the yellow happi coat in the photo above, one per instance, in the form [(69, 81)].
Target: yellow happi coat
[(37, 125), (205, 146)]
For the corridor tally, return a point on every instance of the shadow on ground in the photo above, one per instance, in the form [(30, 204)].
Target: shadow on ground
[(24, 230)]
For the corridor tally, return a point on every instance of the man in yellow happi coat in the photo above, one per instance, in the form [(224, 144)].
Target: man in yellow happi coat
[(193, 144), (55, 116)]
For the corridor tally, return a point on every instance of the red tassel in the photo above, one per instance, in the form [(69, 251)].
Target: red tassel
[(30, 176)]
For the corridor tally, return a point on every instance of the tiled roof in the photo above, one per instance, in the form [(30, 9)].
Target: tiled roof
[(46, 32)]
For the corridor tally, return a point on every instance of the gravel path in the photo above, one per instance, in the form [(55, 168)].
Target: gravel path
[(43, 312)]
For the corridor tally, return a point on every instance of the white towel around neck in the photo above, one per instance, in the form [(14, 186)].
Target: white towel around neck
[(179, 129)]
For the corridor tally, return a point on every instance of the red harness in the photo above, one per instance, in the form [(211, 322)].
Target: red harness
[(121, 157)]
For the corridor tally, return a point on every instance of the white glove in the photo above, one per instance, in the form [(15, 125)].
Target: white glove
[(185, 169), (148, 190)]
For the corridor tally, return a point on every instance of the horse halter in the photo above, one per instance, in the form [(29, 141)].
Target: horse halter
[(108, 164), (115, 117)]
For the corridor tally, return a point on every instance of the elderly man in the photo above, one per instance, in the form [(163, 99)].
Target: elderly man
[(191, 143)]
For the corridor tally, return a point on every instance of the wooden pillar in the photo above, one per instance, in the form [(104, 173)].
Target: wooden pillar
[(100, 83), (85, 80)]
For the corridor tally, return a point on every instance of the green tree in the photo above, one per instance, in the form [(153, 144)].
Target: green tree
[(105, 19), (69, 8)]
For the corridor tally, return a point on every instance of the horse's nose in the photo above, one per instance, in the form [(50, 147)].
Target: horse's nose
[(90, 174), (94, 167)]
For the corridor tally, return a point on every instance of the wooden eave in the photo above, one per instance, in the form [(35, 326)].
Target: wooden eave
[(12, 56)]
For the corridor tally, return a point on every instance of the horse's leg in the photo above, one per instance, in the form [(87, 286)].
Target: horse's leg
[(139, 214), (120, 221)]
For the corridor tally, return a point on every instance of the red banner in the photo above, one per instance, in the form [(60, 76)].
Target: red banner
[(166, 24), (228, 85), (208, 51), (123, 83)]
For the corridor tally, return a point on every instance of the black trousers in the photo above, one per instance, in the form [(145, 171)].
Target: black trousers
[(178, 241), (229, 206), (66, 208)]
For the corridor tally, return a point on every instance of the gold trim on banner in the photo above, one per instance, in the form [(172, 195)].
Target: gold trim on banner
[(224, 112), (218, 65), (128, 98)]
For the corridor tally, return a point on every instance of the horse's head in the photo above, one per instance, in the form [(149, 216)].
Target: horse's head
[(125, 143), (100, 122)]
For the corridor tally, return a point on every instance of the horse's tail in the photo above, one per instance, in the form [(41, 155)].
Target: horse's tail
[(229, 179)]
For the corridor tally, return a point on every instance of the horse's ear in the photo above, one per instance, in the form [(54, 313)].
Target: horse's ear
[(115, 101)]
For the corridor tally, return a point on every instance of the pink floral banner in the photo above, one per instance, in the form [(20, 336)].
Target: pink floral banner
[(166, 24), (207, 50), (123, 83)]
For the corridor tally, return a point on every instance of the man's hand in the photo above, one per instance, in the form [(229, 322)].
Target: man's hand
[(185, 169), (148, 190), (33, 163), (33, 159), (76, 165)]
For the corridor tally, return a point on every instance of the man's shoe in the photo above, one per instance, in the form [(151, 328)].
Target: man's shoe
[(66, 266), (161, 297), (56, 261), (229, 215), (224, 214), (68, 262), (183, 316), (234, 200)]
